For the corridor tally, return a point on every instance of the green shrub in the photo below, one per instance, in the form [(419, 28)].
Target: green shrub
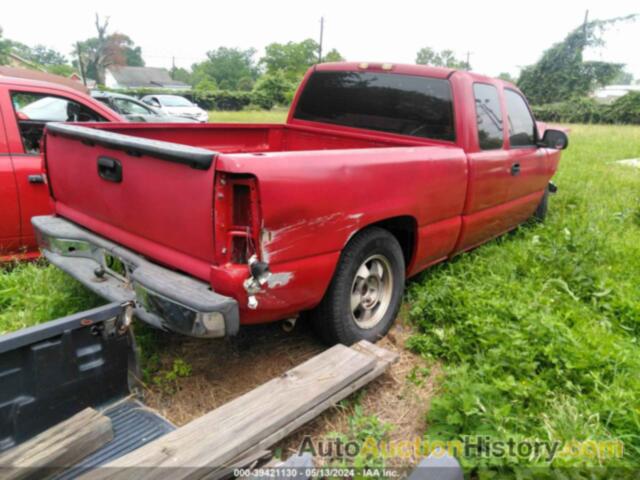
[(624, 110), (273, 89)]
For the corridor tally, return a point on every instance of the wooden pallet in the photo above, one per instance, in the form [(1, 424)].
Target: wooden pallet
[(209, 445)]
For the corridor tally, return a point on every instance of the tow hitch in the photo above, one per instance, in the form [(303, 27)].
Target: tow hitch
[(260, 274)]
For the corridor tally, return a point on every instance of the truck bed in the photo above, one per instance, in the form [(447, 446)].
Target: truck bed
[(249, 138)]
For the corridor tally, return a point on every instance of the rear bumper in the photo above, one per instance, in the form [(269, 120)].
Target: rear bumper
[(162, 297)]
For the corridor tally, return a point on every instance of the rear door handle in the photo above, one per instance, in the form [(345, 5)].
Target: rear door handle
[(110, 169), (515, 169), (36, 178)]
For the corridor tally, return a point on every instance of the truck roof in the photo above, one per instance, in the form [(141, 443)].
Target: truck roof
[(62, 90), (406, 69), (27, 82)]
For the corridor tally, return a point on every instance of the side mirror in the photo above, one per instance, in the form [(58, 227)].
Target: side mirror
[(555, 139)]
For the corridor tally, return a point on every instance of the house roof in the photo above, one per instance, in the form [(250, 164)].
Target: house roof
[(42, 76), (143, 77)]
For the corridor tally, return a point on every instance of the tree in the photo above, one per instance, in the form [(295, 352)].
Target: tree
[(206, 85), (4, 49), (46, 56), (40, 57), (445, 58), (506, 76), (292, 58), (226, 66), (562, 73), (333, 56), (181, 75), (623, 78), (245, 84), (273, 88), (105, 50)]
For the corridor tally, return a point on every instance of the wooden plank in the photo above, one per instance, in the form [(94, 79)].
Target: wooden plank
[(383, 358), (221, 435), (57, 448)]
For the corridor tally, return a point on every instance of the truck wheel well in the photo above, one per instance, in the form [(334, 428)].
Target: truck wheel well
[(404, 229)]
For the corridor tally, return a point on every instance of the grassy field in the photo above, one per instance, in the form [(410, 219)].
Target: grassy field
[(536, 332), (277, 115)]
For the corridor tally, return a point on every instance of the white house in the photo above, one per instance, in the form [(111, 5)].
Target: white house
[(612, 92)]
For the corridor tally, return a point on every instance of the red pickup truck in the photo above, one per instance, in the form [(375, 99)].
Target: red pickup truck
[(379, 172), (25, 107)]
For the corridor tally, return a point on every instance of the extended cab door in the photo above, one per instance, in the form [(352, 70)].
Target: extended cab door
[(27, 112), (9, 208), (489, 176), (529, 166)]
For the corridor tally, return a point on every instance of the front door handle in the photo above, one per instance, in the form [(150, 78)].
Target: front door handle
[(110, 169), (515, 169), (36, 178)]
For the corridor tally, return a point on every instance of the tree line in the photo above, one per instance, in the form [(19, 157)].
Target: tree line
[(561, 74)]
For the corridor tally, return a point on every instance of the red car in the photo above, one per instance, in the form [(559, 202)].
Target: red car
[(379, 172), (25, 107)]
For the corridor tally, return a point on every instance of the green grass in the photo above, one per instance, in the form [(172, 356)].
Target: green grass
[(32, 293), (538, 331), (277, 115)]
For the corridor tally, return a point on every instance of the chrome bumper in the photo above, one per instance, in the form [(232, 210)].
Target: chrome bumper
[(162, 297)]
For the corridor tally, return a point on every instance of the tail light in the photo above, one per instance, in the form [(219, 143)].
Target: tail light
[(237, 218)]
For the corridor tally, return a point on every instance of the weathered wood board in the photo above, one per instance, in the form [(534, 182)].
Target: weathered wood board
[(204, 445), (57, 448), (384, 359)]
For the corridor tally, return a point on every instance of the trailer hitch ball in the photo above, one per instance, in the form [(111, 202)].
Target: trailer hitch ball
[(259, 277), (252, 302)]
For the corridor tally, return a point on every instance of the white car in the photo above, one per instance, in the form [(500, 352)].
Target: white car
[(176, 105)]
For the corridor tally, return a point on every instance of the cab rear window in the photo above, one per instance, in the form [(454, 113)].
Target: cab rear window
[(387, 102)]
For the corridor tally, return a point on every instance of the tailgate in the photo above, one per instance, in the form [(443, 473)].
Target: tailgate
[(51, 371), (154, 197)]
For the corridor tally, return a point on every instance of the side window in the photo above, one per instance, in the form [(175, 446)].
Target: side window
[(488, 116), (522, 128), (127, 107), (34, 110)]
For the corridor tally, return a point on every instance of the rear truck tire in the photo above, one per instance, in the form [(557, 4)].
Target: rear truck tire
[(365, 293)]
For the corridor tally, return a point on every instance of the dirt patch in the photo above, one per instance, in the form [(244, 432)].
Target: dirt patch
[(222, 370)]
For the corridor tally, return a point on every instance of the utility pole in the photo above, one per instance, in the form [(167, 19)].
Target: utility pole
[(173, 67), (320, 43), (83, 74), (468, 64), (584, 25)]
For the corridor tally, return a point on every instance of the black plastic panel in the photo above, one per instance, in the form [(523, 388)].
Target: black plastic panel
[(52, 371)]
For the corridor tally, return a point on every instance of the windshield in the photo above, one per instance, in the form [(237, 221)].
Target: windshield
[(388, 102), (174, 101)]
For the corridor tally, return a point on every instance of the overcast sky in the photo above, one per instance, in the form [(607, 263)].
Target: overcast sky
[(501, 35)]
